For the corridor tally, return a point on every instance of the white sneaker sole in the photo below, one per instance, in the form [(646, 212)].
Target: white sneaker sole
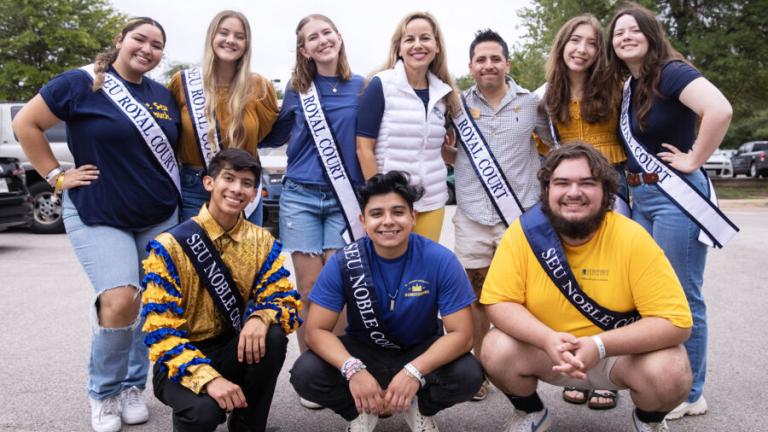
[(697, 408)]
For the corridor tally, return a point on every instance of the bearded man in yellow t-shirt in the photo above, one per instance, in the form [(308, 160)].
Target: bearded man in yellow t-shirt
[(566, 292)]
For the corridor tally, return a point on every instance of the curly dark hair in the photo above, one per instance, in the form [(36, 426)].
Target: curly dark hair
[(393, 181), (601, 170)]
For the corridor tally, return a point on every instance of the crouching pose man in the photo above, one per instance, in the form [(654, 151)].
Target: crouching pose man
[(218, 304), (394, 356), (566, 292)]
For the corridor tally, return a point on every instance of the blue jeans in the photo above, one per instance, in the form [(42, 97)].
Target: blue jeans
[(111, 258), (194, 195), (678, 236), (311, 220)]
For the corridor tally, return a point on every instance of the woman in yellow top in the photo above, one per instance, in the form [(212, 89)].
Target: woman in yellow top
[(581, 101), (207, 123)]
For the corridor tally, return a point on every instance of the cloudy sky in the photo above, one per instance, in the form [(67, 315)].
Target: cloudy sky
[(366, 27)]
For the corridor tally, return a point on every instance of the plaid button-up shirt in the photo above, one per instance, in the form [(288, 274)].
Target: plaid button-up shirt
[(507, 130)]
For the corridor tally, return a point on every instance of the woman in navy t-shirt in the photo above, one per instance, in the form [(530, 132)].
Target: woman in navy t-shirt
[(311, 218), (668, 95), (121, 194)]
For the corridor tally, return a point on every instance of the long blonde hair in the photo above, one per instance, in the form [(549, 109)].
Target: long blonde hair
[(106, 58), (240, 89), (306, 69), (439, 65)]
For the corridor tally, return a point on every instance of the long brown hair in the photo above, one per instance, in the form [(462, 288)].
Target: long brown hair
[(439, 65), (600, 91), (660, 51), (240, 89), (106, 58), (306, 69)]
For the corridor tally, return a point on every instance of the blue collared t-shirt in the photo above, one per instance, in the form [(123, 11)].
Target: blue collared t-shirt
[(668, 121), (340, 109), (133, 190), (432, 281)]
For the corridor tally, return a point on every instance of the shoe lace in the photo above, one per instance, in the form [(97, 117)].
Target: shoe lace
[(132, 396), (109, 406)]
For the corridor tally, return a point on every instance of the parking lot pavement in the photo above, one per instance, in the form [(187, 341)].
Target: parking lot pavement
[(45, 337)]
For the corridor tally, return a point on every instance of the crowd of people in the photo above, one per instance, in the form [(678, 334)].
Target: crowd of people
[(582, 225)]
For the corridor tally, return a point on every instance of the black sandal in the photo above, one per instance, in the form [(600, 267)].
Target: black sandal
[(577, 401), (611, 395)]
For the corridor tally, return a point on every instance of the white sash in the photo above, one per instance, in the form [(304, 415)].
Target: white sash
[(143, 120), (331, 160), (487, 168), (192, 80), (716, 228)]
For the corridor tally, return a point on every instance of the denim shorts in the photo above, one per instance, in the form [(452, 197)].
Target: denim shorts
[(311, 220), (111, 257)]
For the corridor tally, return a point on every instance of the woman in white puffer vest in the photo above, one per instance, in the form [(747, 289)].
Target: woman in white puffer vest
[(402, 119)]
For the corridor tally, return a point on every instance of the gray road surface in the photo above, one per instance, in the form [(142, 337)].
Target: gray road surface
[(45, 337)]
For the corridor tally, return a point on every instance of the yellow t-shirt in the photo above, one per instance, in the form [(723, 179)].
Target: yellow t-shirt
[(259, 116), (621, 268)]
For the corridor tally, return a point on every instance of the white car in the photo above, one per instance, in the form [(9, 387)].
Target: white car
[(719, 164)]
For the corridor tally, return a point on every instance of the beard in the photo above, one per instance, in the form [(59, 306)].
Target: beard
[(576, 229)]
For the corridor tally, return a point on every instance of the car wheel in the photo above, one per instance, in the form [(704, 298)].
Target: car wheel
[(752, 170), (47, 213)]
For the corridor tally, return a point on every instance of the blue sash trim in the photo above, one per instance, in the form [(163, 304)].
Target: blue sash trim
[(183, 368), (156, 247), (161, 308), (159, 280), (549, 252), (156, 336), (363, 309), (212, 271)]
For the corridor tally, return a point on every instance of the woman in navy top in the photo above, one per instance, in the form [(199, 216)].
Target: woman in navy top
[(668, 95), (311, 218), (121, 194)]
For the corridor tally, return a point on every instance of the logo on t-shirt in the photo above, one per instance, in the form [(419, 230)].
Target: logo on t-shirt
[(594, 274), (158, 110), (416, 288)]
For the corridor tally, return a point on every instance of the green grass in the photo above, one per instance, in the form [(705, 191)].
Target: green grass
[(741, 188)]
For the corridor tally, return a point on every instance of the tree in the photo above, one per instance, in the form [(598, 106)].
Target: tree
[(42, 38), (724, 40)]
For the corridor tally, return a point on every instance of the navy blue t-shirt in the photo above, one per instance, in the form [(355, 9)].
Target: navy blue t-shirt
[(133, 190), (340, 109), (432, 281), (372, 108), (668, 121)]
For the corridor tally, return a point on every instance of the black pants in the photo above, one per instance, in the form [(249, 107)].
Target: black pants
[(200, 412), (319, 382)]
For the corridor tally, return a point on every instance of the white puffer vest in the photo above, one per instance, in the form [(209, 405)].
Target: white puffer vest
[(410, 141)]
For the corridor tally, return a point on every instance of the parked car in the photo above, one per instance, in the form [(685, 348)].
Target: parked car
[(15, 201), (719, 164), (751, 159), (47, 211), (273, 163)]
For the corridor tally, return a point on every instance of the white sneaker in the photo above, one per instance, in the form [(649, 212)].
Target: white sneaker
[(521, 421), (105, 414), (697, 407), (417, 421), (134, 410), (648, 427), (363, 423), (309, 404)]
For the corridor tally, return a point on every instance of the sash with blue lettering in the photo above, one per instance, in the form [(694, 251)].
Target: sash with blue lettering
[(715, 227), (363, 309), (194, 93), (212, 271), (144, 122), (549, 252), (330, 158), (486, 167)]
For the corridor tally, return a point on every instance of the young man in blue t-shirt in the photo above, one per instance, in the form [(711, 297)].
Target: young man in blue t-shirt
[(394, 356)]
